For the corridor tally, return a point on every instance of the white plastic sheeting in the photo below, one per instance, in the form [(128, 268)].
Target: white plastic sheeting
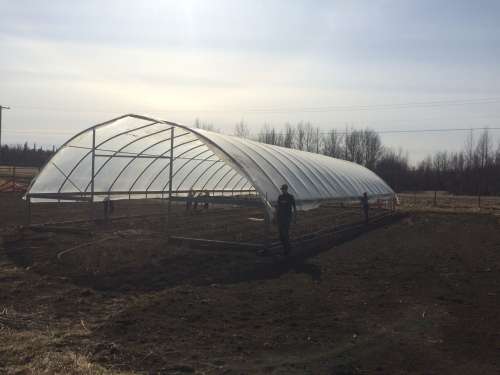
[(131, 157)]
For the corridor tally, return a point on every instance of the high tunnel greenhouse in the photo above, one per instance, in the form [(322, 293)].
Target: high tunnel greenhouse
[(136, 156)]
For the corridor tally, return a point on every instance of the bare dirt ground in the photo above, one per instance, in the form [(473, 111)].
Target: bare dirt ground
[(420, 296)]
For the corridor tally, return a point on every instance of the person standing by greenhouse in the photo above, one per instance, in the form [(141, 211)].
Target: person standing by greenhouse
[(365, 206), (284, 207)]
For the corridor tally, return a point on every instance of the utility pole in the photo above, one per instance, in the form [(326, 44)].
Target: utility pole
[(1, 108)]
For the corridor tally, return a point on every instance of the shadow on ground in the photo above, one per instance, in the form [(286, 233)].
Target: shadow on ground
[(154, 265)]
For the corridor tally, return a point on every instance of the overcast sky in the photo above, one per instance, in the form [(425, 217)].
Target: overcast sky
[(383, 64)]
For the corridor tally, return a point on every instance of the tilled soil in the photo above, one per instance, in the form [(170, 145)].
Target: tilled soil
[(420, 296)]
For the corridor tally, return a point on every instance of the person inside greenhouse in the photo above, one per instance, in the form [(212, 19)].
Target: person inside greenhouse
[(108, 207), (206, 195), (365, 206), (189, 200), (284, 207)]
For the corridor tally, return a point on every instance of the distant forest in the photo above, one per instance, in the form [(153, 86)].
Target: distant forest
[(473, 170), (24, 155)]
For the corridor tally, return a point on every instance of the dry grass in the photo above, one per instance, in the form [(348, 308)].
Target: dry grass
[(445, 202), (63, 363), (33, 345)]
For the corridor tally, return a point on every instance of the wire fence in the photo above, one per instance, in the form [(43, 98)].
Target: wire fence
[(443, 200)]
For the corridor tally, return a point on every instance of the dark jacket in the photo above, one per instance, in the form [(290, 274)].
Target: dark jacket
[(284, 206)]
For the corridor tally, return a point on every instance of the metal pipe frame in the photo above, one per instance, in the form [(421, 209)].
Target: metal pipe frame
[(182, 166), (161, 156), (110, 157), (304, 170), (133, 158), (92, 151), (194, 168), (64, 174), (92, 177), (170, 171), (212, 176), (224, 176)]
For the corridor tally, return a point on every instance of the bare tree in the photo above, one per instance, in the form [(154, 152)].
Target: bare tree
[(457, 162), (440, 161), (484, 159), (204, 125), (332, 144), (372, 147), (270, 136), (263, 136), (393, 167), (310, 137), (354, 146), (469, 150), (288, 136), (484, 149), (497, 155), (300, 135), (197, 123), (241, 130)]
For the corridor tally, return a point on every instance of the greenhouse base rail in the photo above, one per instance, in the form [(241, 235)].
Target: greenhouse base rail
[(214, 244)]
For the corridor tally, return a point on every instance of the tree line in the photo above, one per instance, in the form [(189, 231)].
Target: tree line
[(24, 155), (473, 170)]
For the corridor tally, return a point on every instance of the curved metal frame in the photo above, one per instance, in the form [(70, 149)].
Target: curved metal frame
[(294, 162), (201, 175), (110, 157), (168, 164), (133, 158), (212, 176), (100, 144), (186, 163), (192, 169), (272, 166), (222, 178), (156, 158)]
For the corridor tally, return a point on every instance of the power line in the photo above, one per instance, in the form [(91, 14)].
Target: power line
[(433, 130), (348, 122), (284, 109), (445, 130), (392, 131), (393, 106), (45, 132)]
